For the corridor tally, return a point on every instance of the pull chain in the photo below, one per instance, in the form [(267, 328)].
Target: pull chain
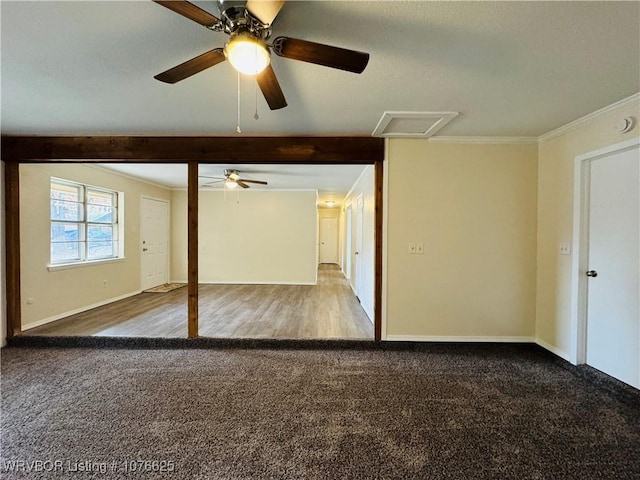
[(238, 130), (255, 115)]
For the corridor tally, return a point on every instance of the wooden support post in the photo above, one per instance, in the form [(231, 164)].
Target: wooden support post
[(192, 246), (377, 307), (12, 246)]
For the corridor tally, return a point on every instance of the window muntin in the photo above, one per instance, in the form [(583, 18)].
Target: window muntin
[(84, 223)]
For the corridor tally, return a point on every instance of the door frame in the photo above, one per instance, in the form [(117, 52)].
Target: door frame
[(580, 246), (168, 233)]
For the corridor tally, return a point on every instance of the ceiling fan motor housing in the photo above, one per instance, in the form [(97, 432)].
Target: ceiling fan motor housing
[(236, 19)]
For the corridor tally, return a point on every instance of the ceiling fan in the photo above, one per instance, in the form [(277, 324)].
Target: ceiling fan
[(248, 23), (232, 180)]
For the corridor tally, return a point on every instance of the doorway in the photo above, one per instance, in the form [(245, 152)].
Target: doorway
[(607, 260)]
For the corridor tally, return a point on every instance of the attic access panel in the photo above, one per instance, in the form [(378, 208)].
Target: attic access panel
[(412, 124)]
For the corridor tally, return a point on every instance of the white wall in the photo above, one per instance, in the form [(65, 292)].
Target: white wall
[(474, 209), (254, 237), (555, 216), (48, 295), (364, 186)]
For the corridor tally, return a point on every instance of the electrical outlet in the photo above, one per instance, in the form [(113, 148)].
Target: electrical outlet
[(412, 248), (419, 248), (565, 249)]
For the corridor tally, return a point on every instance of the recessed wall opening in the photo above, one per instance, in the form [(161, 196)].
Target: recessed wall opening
[(190, 152), (284, 251)]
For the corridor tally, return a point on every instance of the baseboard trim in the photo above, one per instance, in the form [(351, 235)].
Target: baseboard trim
[(44, 321), (446, 338), (555, 350)]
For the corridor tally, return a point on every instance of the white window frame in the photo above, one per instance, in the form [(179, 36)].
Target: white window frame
[(117, 225)]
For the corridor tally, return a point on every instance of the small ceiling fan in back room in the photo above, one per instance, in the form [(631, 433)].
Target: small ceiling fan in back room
[(249, 48), (231, 180)]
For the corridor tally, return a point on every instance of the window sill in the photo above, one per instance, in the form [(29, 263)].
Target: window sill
[(91, 263)]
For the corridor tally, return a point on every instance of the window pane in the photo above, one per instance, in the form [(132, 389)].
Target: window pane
[(62, 252), (65, 232), (99, 233), (70, 193), (97, 197), (101, 243), (100, 250), (64, 210), (99, 214)]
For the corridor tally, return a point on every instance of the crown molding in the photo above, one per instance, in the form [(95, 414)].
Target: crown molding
[(580, 122), (486, 140)]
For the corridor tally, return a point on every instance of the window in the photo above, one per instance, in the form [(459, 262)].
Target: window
[(84, 223)]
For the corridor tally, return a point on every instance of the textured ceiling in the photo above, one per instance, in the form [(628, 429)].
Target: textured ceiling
[(509, 68), (332, 182)]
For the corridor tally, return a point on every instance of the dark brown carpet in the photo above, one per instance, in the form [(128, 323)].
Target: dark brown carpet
[(435, 412)]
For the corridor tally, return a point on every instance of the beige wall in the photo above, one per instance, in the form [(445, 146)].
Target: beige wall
[(47, 295), (254, 237), (555, 220), (474, 208)]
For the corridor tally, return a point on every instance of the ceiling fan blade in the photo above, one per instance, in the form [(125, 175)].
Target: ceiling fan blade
[(242, 184), (321, 54), (265, 10), (271, 90), (189, 10), (259, 182), (191, 67)]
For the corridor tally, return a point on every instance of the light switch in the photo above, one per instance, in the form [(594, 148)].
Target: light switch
[(419, 248), (565, 249), (412, 248)]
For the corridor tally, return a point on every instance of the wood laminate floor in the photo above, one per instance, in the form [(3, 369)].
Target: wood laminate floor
[(326, 310)]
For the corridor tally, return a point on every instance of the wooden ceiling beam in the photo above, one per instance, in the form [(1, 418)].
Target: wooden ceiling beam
[(122, 149)]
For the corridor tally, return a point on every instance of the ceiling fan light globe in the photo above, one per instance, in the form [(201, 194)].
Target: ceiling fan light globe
[(247, 54)]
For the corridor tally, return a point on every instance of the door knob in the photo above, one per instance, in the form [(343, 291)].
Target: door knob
[(592, 273), (144, 249)]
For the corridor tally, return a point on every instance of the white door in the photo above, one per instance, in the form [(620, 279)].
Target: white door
[(154, 237), (613, 305), (358, 247), (329, 240)]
